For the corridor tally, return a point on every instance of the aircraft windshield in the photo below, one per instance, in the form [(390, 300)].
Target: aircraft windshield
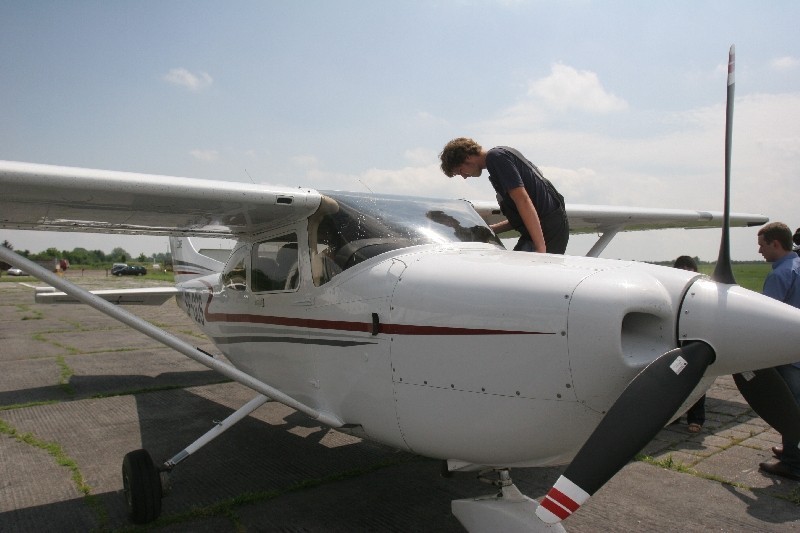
[(356, 227)]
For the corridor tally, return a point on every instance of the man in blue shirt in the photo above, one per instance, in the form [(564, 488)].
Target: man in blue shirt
[(775, 244), (529, 201)]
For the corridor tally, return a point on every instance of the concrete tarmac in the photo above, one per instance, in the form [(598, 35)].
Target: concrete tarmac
[(79, 390)]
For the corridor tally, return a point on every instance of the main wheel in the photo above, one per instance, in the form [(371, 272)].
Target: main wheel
[(142, 484)]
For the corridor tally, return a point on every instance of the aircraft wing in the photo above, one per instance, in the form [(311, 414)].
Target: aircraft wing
[(139, 296), (585, 218), (46, 197)]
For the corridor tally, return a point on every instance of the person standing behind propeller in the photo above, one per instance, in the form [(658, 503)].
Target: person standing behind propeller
[(696, 415), (775, 244)]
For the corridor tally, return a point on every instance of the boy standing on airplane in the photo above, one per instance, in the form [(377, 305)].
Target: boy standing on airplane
[(529, 201)]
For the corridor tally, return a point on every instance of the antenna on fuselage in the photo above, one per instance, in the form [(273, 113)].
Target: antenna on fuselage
[(366, 186), (723, 272)]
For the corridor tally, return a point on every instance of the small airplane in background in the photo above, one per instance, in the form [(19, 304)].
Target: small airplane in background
[(405, 321)]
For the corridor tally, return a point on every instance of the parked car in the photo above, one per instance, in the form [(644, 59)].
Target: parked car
[(128, 270), (13, 271)]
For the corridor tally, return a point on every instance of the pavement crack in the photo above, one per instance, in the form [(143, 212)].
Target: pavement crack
[(62, 459)]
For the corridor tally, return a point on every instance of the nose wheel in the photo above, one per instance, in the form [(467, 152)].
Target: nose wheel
[(141, 482)]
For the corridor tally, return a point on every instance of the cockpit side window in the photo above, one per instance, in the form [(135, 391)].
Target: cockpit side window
[(274, 264), (234, 275)]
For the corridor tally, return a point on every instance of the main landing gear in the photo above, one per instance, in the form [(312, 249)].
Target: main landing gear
[(508, 510), (145, 484), (141, 482)]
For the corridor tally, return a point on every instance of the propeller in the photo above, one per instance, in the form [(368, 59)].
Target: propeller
[(656, 393), (770, 397), (643, 409), (650, 400), (723, 272), (765, 390)]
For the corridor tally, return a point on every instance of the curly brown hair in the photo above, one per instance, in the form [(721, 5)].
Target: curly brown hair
[(456, 152)]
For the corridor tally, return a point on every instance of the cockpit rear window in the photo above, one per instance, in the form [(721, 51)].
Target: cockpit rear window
[(274, 264)]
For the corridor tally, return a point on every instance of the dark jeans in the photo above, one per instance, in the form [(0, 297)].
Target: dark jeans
[(791, 453), (555, 228), (697, 413)]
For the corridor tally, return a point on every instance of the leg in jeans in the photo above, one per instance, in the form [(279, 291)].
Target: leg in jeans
[(791, 453)]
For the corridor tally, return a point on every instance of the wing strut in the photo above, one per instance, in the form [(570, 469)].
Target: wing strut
[(602, 242), (158, 334)]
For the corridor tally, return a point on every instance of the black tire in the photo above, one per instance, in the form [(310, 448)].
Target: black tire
[(142, 485)]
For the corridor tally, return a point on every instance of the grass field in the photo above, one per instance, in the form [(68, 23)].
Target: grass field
[(748, 275)]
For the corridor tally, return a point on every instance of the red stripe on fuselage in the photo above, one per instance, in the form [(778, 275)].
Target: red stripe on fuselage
[(342, 325)]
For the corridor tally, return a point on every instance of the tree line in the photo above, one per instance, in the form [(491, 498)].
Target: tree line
[(88, 258)]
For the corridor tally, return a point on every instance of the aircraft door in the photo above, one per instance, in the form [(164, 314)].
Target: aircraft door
[(276, 325)]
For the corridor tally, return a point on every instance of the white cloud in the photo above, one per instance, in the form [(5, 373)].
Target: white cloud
[(521, 116), (189, 80), (309, 162), (677, 162), (207, 156), (784, 63), (421, 156), (721, 69), (567, 88), (429, 119)]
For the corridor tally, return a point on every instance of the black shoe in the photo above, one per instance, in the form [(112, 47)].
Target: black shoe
[(780, 469), (777, 451)]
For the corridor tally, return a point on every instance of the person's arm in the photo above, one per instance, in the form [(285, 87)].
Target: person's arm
[(500, 227), (529, 217)]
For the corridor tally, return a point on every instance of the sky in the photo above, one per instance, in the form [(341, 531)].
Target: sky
[(618, 102)]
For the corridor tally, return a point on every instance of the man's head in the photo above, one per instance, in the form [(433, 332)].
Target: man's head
[(462, 157), (774, 241)]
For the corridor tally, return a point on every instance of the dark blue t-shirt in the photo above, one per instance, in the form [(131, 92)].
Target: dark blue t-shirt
[(508, 169)]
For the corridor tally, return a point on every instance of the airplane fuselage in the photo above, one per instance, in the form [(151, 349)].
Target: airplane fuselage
[(543, 345)]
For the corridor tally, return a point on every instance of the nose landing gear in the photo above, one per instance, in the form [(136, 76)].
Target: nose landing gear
[(508, 510)]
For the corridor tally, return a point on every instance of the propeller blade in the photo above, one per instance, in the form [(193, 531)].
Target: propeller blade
[(723, 272), (643, 409), (769, 396)]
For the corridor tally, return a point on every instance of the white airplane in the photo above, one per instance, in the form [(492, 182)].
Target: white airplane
[(405, 321)]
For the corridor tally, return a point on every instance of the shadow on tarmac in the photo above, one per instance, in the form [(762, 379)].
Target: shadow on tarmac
[(286, 474), (277, 470)]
